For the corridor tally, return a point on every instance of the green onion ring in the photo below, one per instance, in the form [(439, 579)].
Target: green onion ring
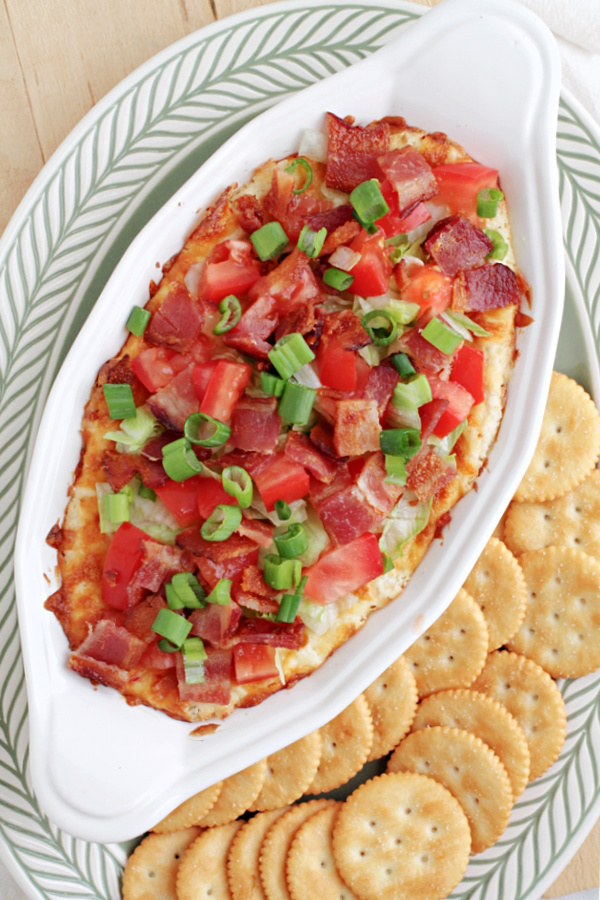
[(300, 162), (198, 423), (379, 340), (237, 482), (232, 313), (221, 523), (293, 542)]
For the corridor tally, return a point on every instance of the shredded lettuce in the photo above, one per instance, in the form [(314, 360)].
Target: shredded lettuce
[(317, 617), (134, 433), (257, 510), (151, 516), (318, 539), (407, 519), (443, 446), (278, 665)]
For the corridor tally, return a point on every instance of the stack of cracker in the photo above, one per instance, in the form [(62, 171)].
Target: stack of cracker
[(460, 724)]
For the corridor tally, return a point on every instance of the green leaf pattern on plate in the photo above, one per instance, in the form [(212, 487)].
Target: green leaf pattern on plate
[(121, 163)]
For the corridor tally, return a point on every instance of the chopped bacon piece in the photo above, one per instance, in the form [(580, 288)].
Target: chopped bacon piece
[(291, 210), (159, 563), (110, 644), (331, 219), (410, 174), (356, 428), (249, 213), (322, 437), (140, 619), (153, 449), (224, 559), (172, 404), (455, 244), (490, 286), (352, 152), (299, 448), (252, 462), (277, 634), (319, 492), (217, 678), (427, 474), (303, 320), (347, 514), (253, 582), (371, 481), (216, 623), (255, 424), (119, 468), (152, 472), (257, 530), (177, 323), (153, 658), (347, 330), (380, 386), (291, 284), (258, 604), (343, 234), (257, 323), (425, 356)]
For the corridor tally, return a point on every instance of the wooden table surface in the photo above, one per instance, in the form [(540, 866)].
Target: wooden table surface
[(57, 59)]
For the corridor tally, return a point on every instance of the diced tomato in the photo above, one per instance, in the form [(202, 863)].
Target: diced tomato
[(424, 285), (201, 375), (225, 387), (467, 370), (459, 184), (459, 406), (230, 269), (212, 494), (153, 367), (372, 273), (335, 365), (254, 662), (181, 497), (392, 223), (282, 479), (123, 559), (344, 570)]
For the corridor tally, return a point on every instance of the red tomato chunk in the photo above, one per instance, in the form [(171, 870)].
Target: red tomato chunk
[(344, 570)]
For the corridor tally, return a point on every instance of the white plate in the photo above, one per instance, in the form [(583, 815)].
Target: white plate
[(91, 768)]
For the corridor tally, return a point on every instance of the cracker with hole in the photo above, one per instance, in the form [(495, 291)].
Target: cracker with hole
[(561, 629), (568, 445), (277, 842), (497, 585), (487, 719), (401, 837), (202, 873), (191, 811), (311, 868), (533, 698), (238, 793), (572, 520), (452, 652), (469, 769), (243, 875), (392, 700), (151, 870), (290, 772), (346, 744)]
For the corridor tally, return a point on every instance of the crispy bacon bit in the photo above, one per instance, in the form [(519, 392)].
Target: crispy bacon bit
[(301, 319), (257, 530), (225, 559), (289, 209), (172, 404), (177, 323), (322, 437), (110, 644), (216, 623), (252, 582), (152, 472), (490, 286), (426, 357), (291, 283), (346, 328), (410, 174), (380, 386), (276, 634), (356, 427), (371, 482), (153, 449), (255, 424), (249, 213), (352, 152), (343, 234), (346, 514), (257, 323), (427, 474), (299, 448), (455, 244), (159, 563), (140, 619), (119, 468), (54, 537), (331, 219), (217, 678)]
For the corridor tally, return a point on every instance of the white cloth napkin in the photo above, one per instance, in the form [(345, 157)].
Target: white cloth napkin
[(577, 25)]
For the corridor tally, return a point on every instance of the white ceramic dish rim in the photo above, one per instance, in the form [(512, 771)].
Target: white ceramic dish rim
[(63, 714)]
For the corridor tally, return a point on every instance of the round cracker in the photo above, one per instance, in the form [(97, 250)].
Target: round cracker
[(568, 445), (311, 869), (532, 697), (572, 520), (346, 744), (238, 793), (392, 700), (202, 873), (289, 773), (151, 870), (469, 769), (190, 811), (561, 629), (401, 837), (275, 846), (243, 876), (451, 653), (497, 585), (487, 719)]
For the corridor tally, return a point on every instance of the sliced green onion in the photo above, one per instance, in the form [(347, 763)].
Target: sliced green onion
[(301, 163), (282, 510), (147, 493), (221, 523), (134, 433), (189, 590), (388, 564), (289, 354), (441, 337), (180, 461), (269, 241), (395, 466), (231, 310), (280, 573), (293, 542), (167, 647), (137, 321), (311, 242), (288, 608), (171, 626), (403, 365), (271, 384), (413, 393), (500, 246), (296, 403), (338, 279), (467, 323), (403, 442), (487, 202), (400, 249), (174, 601), (116, 508), (402, 311), (221, 593), (119, 399), (381, 336), (193, 654), (368, 202), (205, 431), (238, 483)]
